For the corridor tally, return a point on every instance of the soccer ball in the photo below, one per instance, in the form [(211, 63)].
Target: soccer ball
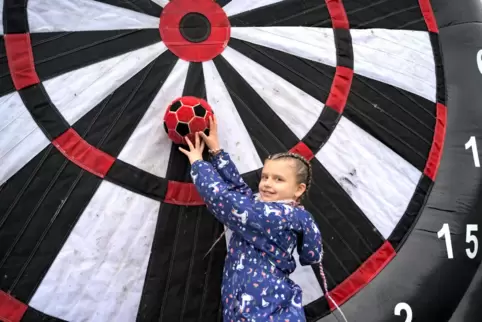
[(185, 116)]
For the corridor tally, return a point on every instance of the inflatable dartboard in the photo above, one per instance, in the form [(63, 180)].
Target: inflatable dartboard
[(99, 219)]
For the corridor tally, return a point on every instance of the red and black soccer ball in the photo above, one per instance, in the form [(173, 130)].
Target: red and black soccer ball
[(185, 116)]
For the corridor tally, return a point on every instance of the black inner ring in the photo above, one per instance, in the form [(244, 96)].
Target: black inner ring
[(195, 27)]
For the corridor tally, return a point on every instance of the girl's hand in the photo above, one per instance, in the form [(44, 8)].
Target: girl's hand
[(195, 152), (212, 140)]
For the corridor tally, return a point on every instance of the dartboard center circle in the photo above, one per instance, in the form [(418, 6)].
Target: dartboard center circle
[(195, 31), (195, 27)]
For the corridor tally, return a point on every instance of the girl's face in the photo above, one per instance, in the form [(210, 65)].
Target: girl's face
[(278, 181)]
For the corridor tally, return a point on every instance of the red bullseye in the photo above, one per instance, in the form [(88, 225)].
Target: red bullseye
[(194, 30)]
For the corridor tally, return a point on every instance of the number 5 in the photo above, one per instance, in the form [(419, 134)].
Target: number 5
[(471, 238), (404, 306)]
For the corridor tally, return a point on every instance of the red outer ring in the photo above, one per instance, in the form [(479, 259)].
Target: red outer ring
[(436, 151), (194, 52), (20, 60), (363, 275), (428, 15), (11, 309)]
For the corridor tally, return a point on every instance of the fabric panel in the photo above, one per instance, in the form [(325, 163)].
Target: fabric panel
[(99, 273), (20, 137), (238, 6), (230, 123), (379, 181), (269, 86), (83, 15), (401, 58), (77, 92)]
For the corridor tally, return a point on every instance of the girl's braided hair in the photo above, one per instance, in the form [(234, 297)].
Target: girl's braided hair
[(303, 168)]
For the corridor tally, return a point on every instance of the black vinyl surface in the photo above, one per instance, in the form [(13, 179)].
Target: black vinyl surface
[(421, 275)]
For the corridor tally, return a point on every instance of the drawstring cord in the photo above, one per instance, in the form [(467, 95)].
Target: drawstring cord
[(217, 240), (325, 286)]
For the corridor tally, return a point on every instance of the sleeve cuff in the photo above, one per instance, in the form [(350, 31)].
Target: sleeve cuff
[(196, 163), (215, 158)]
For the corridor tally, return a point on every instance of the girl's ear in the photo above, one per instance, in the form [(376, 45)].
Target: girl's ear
[(300, 190)]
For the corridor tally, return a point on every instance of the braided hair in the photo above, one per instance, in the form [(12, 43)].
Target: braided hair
[(303, 168)]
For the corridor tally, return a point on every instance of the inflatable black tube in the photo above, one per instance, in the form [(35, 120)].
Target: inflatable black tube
[(421, 275), (469, 309)]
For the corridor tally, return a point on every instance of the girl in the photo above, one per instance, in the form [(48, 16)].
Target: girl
[(266, 228)]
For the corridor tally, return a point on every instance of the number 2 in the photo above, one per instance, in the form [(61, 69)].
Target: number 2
[(404, 306), (471, 143)]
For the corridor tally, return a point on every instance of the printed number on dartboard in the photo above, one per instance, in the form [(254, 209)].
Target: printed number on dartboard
[(470, 238), (472, 144), (479, 60), (404, 307)]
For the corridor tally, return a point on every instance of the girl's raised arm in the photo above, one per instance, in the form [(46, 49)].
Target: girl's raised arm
[(222, 161), (227, 170), (232, 208)]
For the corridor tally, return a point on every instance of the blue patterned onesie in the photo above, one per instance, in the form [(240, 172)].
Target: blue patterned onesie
[(256, 285)]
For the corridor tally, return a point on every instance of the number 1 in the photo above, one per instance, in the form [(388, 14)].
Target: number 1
[(471, 143), (445, 231)]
